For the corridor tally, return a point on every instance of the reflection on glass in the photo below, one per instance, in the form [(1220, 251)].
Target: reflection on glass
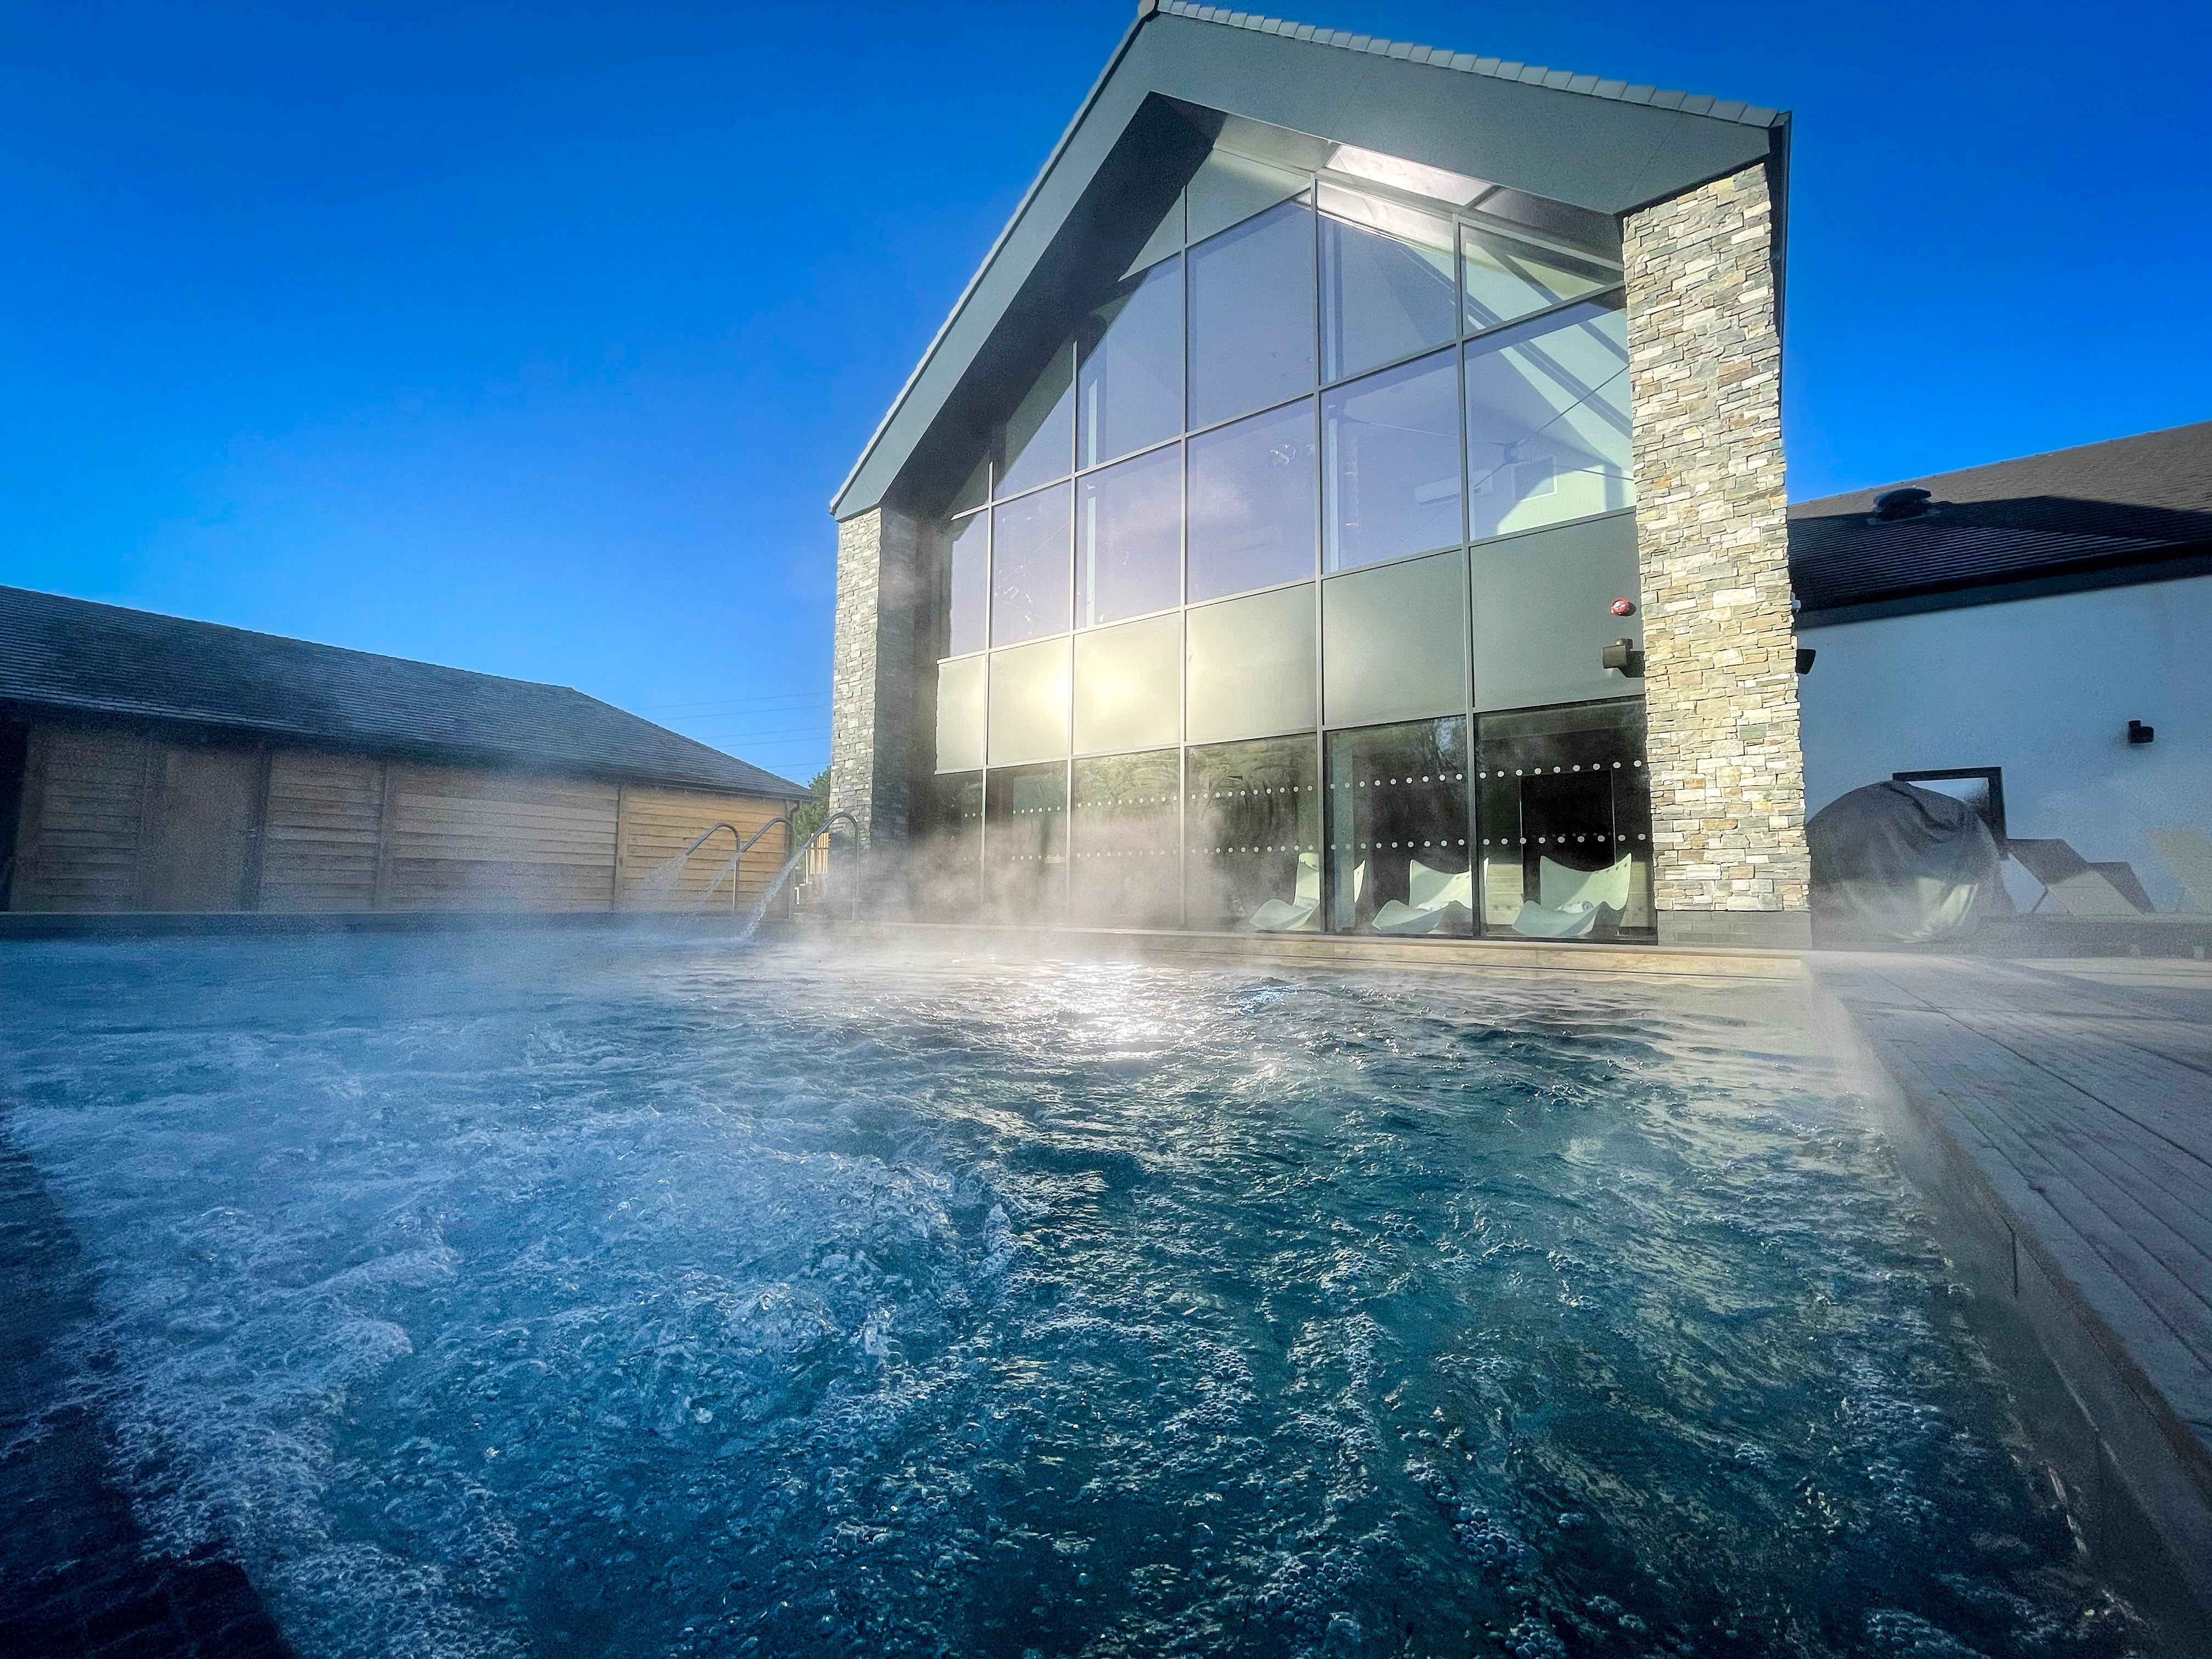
[(1394, 642), (1252, 832), (976, 491), (1029, 702), (1252, 314), (945, 867), (962, 691), (1252, 503), (1252, 666), (1386, 282), (1026, 842), (1229, 187), (1398, 831), (1129, 389), (1129, 538), (1125, 833), (1548, 420), (1127, 682), (1037, 443), (1505, 278), (1029, 566), (1564, 813), (1390, 446), (970, 558)]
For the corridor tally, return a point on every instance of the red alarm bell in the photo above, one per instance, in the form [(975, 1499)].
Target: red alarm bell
[(1624, 607)]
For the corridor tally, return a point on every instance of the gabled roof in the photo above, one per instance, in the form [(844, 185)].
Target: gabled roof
[(67, 655), (1607, 147), (2127, 510)]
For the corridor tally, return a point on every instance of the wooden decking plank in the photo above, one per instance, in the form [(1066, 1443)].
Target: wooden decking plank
[(2162, 1099)]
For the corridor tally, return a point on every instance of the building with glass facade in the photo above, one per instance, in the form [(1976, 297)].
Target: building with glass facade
[(1348, 499)]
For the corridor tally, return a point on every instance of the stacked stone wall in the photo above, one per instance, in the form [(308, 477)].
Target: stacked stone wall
[(872, 673), (1727, 774)]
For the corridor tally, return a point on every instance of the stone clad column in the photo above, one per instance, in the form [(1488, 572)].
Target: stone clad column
[(1728, 776), (872, 675)]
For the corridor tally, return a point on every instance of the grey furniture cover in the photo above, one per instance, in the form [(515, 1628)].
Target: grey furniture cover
[(1894, 862)]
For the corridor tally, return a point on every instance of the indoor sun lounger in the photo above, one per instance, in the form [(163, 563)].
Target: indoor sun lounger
[(2188, 854), (1433, 893), (2075, 886), (1575, 903)]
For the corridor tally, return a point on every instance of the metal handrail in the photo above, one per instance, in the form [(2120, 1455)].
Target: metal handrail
[(744, 847), (760, 910)]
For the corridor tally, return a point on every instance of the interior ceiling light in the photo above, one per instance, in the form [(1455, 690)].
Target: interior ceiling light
[(1433, 182)]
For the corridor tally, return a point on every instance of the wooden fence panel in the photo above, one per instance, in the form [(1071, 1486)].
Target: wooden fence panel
[(658, 824), (77, 846), (318, 840), (468, 839)]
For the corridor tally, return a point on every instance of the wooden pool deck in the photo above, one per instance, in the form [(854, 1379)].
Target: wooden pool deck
[(2063, 1115)]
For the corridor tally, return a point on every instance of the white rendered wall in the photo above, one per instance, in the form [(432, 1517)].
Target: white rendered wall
[(2044, 689)]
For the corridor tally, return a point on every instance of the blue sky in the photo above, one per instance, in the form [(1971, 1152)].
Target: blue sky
[(535, 338)]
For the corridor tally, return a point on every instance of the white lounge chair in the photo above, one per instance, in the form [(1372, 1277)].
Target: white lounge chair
[(1433, 893), (1575, 903), (2188, 854), (1301, 912)]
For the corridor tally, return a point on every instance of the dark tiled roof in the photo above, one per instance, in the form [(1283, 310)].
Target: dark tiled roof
[(1721, 109), (64, 653), (2125, 509)]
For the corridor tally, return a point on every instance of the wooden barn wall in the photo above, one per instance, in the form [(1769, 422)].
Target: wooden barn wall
[(320, 844), (78, 842), (659, 824), (115, 820)]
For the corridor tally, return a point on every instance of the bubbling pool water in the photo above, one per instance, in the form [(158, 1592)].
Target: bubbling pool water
[(626, 1299)]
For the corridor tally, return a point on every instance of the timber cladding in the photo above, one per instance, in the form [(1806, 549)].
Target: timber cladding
[(115, 819)]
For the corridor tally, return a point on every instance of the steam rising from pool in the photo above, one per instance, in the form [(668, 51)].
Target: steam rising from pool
[(664, 1299)]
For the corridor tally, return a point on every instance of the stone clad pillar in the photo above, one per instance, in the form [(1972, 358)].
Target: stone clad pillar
[(1728, 774), (872, 683)]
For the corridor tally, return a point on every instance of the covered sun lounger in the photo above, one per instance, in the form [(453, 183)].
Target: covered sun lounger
[(1575, 903), (2073, 885), (2188, 854), (1433, 894)]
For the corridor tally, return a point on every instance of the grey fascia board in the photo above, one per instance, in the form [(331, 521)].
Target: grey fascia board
[(1608, 155)]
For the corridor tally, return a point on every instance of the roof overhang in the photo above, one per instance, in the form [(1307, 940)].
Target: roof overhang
[(1600, 146)]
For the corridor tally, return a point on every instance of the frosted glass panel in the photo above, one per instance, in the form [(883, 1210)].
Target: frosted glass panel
[(1037, 443), (960, 699), (1129, 538), (1252, 315), (1026, 842), (1548, 420), (1390, 459), (1029, 703), (1124, 835), (1126, 684), (1228, 188), (1394, 642), (1252, 503), (1386, 282), (1130, 390), (968, 556), (1031, 566), (1505, 278), (1543, 611), (1251, 666)]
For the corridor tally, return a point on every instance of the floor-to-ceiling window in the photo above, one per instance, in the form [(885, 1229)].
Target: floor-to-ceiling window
[(1329, 491)]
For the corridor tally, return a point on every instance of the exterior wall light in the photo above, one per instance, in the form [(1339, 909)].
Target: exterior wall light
[(1805, 655), (2138, 732), (1624, 655)]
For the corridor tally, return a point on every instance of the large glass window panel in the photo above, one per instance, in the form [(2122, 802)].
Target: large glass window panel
[(1543, 613), (962, 691), (1029, 703), (1394, 642), (1129, 538), (1252, 666), (1548, 420), (1252, 503), (1129, 388), (1563, 811), (1123, 839), (1228, 188), (1037, 443), (1252, 314), (1126, 684), (1390, 458), (1386, 282), (945, 867), (1398, 853), (1026, 842), (1503, 278), (968, 556), (1030, 565), (1252, 836)]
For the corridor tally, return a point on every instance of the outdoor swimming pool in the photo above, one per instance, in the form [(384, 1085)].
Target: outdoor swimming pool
[(597, 1297)]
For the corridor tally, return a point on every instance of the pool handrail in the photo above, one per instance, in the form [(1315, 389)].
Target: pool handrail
[(759, 911)]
